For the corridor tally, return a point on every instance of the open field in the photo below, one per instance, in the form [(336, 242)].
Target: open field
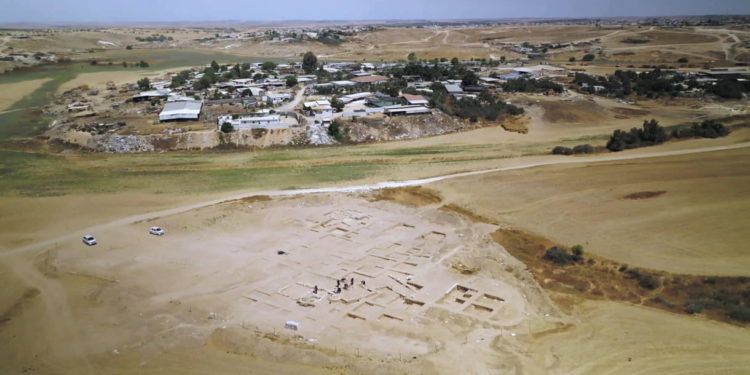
[(664, 45), (696, 227), (251, 232), (10, 93)]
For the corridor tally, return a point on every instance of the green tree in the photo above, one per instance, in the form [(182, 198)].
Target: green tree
[(268, 65), (577, 252), (291, 81), (412, 56), (588, 57), (215, 66), (454, 61), (227, 127), (144, 84), (469, 79), (143, 64), (129, 47), (337, 104), (309, 62)]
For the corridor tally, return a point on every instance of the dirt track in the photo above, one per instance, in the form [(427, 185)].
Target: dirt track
[(637, 154)]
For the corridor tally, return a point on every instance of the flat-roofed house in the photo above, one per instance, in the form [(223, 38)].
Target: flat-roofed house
[(370, 80), (415, 99), (181, 110)]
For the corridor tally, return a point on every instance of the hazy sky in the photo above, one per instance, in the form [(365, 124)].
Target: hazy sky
[(275, 10)]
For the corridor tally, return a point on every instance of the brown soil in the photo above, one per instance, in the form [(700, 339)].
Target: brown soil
[(415, 196), (577, 112), (470, 215), (629, 112), (598, 278), (644, 194)]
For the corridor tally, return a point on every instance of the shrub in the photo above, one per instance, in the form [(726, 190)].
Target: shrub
[(227, 127), (337, 131), (635, 41), (129, 47), (577, 251), (560, 256), (739, 313), (583, 149), (562, 150), (645, 280), (144, 84), (706, 129), (588, 57), (683, 60), (651, 134)]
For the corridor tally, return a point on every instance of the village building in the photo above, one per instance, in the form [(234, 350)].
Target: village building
[(181, 110), (252, 122), (370, 80), (415, 99), (404, 110)]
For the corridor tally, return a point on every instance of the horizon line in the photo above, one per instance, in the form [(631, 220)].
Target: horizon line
[(363, 20)]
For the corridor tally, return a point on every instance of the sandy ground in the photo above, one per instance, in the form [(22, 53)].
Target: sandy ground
[(217, 282), (614, 338), (13, 92), (696, 227)]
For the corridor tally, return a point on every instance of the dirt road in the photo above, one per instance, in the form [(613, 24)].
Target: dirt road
[(551, 160)]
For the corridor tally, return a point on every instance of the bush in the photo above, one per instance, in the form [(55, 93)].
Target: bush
[(729, 89), (583, 149), (645, 280), (683, 60), (531, 85), (144, 84), (635, 41), (227, 127), (739, 313), (651, 134), (706, 129), (580, 149), (588, 57), (562, 150), (561, 256), (337, 131), (129, 47)]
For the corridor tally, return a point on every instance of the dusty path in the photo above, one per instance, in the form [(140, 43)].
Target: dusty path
[(288, 107), (368, 187)]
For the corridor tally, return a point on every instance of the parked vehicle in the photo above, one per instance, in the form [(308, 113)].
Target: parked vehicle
[(89, 240), (156, 231)]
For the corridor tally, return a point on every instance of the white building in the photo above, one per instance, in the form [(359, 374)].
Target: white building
[(343, 83), (277, 98), (404, 110), (352, 97), (181, 110), (252, 122)]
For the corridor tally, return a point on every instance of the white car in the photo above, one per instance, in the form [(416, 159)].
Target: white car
[(89, 240), (156, 231)]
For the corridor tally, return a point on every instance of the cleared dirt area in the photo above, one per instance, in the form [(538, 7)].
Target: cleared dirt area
[(227, 278)]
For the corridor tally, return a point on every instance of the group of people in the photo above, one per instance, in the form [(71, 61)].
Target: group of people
[(341, 283)]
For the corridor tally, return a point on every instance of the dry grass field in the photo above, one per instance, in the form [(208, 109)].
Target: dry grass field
[(453, 268), (696, 227)]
